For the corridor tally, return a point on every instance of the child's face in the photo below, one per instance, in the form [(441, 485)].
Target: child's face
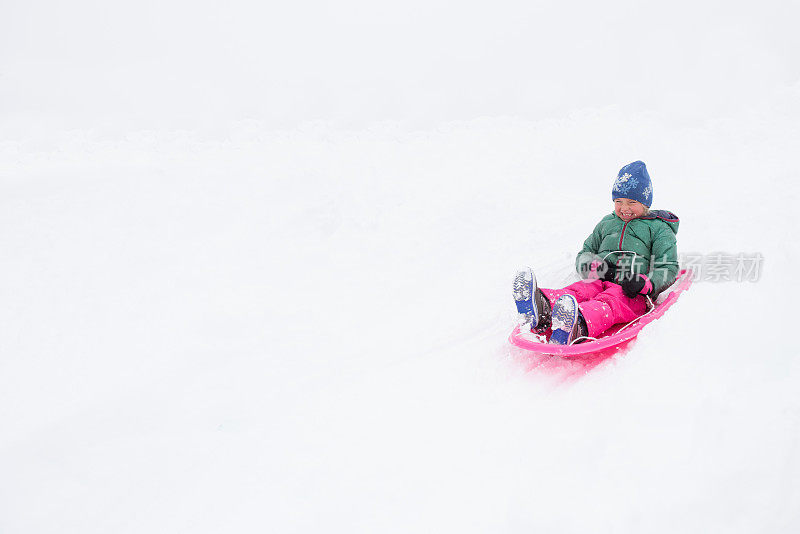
[(627, 209)]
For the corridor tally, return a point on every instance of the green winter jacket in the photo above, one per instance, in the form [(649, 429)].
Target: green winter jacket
[(652, 239)]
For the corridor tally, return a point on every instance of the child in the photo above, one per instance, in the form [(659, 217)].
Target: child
[(630, 258)]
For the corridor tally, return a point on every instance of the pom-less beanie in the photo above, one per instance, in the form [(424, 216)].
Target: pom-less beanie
[(633, 182)]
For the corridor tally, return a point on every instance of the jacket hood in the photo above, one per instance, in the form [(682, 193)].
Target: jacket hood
[(667, 216)]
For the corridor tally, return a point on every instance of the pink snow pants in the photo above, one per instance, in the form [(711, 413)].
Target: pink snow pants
[(603, 304)]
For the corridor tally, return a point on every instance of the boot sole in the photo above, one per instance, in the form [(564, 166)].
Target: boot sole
[(524, 292), (565, 317)]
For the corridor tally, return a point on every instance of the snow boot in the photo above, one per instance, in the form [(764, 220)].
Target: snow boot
[(568, 324), (532, 305)]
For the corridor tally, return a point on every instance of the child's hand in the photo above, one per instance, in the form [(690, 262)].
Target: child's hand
[(637, 284), (602, 270), (599, 270)]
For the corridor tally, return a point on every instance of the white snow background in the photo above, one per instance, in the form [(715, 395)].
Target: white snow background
[(256, 264)]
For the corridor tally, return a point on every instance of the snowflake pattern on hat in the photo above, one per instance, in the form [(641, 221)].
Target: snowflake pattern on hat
[(625, 183)]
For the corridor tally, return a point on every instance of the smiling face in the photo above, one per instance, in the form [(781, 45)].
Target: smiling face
[(627, 209)]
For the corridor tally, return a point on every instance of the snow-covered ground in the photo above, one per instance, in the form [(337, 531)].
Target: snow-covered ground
[(220, 314)]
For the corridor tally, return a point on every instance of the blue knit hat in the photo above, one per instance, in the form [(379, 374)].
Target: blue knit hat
[(633, 182)]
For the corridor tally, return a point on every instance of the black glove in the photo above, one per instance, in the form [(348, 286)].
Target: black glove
[(599, 269), (634, 284), (608, 273)]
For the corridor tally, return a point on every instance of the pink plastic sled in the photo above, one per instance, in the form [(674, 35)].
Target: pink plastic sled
[(615, 339)]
